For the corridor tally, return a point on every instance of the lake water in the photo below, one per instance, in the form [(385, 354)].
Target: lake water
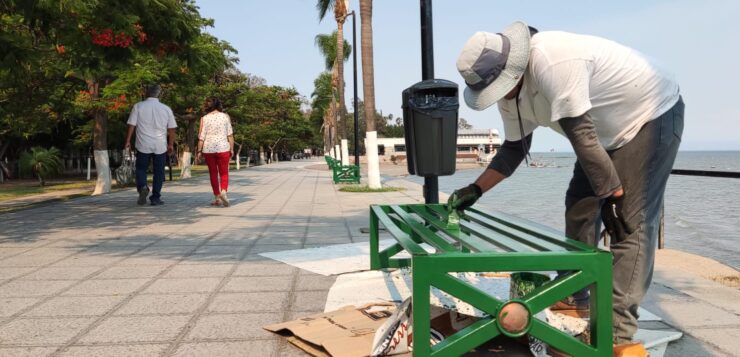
[(702, 214)]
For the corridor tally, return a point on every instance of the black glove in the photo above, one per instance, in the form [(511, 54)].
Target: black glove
[(613, 218), (464, 197)]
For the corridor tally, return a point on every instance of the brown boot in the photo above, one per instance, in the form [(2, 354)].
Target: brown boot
[(570, 307), (634, 349)]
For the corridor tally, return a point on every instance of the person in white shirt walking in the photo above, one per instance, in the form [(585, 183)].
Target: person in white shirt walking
[(216, 143), (154, 123), (623, 115)]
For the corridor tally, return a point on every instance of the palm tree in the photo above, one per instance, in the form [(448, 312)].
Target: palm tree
[(368, 91), (44, 163), (327, 45), (340, 13)]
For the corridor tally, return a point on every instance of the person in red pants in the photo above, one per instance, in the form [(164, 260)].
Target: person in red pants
[(216, 143)]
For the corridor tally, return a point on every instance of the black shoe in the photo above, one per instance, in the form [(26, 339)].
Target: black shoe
[(157, 202), (142, 195)]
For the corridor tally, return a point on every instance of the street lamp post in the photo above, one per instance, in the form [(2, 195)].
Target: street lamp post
[(354, 84)]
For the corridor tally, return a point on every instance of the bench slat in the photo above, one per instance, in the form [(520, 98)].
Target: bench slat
[(424, 233), (531, 242), (540, 231), (497, 239), (471, 241), (401, 237)]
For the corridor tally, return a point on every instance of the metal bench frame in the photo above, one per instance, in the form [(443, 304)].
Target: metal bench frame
[(488, 242)]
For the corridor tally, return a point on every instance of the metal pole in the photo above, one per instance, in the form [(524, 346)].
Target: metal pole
[(431, 183), (354, 76)]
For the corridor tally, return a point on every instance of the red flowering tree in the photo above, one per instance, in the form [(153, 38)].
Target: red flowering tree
[(114, 47)]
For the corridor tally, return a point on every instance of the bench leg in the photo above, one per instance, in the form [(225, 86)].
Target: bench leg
[(420, 308), (374, 245), (601, 331)]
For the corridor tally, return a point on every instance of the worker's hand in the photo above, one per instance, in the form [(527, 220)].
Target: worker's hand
[(127, 147), (612, 216), (464, 197), (170, 149)]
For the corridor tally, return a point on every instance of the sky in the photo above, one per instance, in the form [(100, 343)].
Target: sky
[(696, 40)]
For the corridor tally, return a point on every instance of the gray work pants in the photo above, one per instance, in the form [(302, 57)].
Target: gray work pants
[(643, 165)]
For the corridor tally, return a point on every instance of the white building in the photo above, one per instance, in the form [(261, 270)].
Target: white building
[(471, 144)]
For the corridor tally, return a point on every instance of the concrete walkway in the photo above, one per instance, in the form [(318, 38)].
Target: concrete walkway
[(101, 276)]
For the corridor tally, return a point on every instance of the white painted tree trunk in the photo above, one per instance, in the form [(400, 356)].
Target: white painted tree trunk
[(102, 167), (345, 152), (262, 156), (373, 164), (187, 158)]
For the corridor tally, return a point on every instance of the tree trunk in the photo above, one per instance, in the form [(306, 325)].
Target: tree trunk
[(100, 142), (368, 91), (340, 13), (186, 158), (238, 159)]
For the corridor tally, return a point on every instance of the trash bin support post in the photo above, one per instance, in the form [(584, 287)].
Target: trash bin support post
[(431, 183)]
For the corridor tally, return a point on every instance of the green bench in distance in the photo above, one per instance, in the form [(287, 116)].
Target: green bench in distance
[(343, 173)]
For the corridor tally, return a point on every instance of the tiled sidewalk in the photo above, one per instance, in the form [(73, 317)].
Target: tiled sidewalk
[(102, 276)]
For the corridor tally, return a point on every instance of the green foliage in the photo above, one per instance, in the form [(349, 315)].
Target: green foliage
[(327, 45), (45, 163)]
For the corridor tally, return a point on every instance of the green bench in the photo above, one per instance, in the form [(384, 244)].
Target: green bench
[(492, 242), (343, 173)]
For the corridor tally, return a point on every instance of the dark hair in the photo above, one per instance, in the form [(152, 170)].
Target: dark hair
[(211, 104)]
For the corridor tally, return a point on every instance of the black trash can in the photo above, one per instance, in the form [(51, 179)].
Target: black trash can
[(430, 110)]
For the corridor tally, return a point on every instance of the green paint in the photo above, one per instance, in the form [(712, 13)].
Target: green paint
[(488, 242)]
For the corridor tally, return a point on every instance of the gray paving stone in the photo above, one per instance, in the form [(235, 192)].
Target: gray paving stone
[(75, 306), (10, 273), (26, 351), (26, 288), (266, 248), (136, 329), (258, 283), (163, 304), (81, 260), (131, 272), (66, 273), (106, 287), (42, 331), (228, 349), (681, 314), (10, 306), (35, 260), (309, 301), (199, 271), (249, 302), (264, 268), (236, 326), (185, 285), (128, 350)]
